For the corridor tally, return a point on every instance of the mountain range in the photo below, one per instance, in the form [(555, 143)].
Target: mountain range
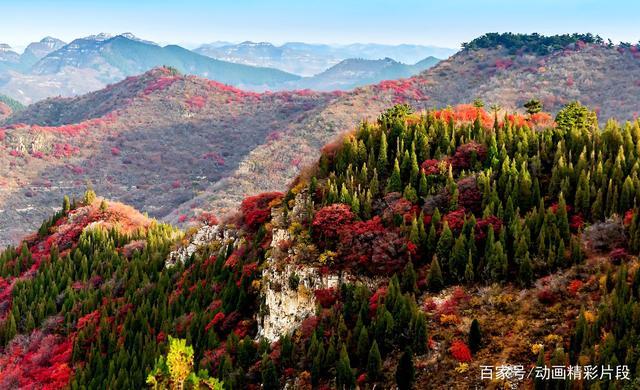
[(311, 59), (356, 72), (52, 68), (175, 145)]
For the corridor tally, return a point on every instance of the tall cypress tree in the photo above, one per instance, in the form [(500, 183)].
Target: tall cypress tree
[(434, 278), (409, 279), (374, 362), (382, 154), (405, 372), (270, 379), (345, 379), (394, 184), (562, 219), (445, 243), (475, 336)]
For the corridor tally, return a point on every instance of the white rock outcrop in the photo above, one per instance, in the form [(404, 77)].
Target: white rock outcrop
[(284, 308), (205, 235)]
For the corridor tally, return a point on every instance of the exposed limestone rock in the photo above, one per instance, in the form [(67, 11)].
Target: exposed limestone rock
[(288, 289), (205, 235), (289, 298)]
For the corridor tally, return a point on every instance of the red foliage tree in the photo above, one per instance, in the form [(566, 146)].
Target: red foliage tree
[(373, 248), (503, 63), (431, 167), (470, 197), (217, 319), (36, 361), (330, 220), (376, 299), (576, 222), (256, 210), (196, 102), (483, 224), (455, 219), (326, 297), (628, 217), (467, 153)]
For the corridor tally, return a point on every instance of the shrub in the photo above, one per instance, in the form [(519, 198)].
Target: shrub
[(618, 255), (574, 287), (546, 296), (460, 351), (326, 297)]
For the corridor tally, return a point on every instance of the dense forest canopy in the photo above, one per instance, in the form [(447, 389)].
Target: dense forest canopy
[(531, 43)]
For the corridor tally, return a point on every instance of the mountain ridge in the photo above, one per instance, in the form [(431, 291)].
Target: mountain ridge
[(310, 59), (298, 125)]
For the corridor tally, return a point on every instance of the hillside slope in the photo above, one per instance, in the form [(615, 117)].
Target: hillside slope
[(153, 141), (269, 137), (605, 78), (416, 250), (8, 107)]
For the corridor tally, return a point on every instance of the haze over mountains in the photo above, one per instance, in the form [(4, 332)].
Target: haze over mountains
[(310, 59), (52, 68), (174, 145)]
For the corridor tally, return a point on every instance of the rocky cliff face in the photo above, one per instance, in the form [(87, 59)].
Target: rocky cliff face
[(288, 293), (205, 235)]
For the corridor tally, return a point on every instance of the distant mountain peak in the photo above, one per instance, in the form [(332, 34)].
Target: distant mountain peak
[(251, 43), (132, 37), (48, 39), (48, 42), (99, 37), (5, 47)]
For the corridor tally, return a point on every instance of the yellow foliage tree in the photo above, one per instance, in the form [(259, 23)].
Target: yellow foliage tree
[(175, 372)]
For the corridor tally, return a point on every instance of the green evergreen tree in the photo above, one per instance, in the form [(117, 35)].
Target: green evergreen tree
[(66, 204), (405, 372), (458, 259), (423, 189), (362, 349), (345, 379), (374, 185), (382, 154), (89, 196), (525, 274), (562, 219), (445, 244), (410, 194), (475, 336), (270, 379), (435, 281), (394, 184), (409, 279), (374, 362), (533, 106), (420, 333)]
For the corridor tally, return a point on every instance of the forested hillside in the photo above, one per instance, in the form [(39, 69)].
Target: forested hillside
[(419, 247), (176, 146)]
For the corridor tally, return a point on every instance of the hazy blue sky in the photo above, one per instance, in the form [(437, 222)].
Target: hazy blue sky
[(444, 23)]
